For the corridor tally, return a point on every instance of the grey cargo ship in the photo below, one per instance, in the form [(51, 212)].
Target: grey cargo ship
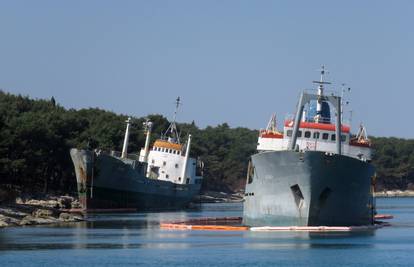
[(161, 177), (314, 173)]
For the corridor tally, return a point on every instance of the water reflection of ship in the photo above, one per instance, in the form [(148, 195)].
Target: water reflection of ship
[(161, 177), (314, 172)]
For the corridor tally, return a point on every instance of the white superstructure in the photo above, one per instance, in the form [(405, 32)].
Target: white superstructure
[(316, 132), (168, 159)]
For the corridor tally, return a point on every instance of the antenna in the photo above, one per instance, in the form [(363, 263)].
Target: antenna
[(323, 72), (177, 105), (343, 102)]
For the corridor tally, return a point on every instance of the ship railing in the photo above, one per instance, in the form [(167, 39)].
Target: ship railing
[(133, 156), (291, 117), (129, 156)]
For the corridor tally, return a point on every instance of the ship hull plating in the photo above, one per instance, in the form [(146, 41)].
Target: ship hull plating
[(308, 189), (108, 182)]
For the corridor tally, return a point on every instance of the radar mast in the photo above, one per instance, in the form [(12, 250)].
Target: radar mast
[(320, 102), (171, 134)]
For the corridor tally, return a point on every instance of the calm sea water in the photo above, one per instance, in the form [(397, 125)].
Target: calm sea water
[(135, 239)]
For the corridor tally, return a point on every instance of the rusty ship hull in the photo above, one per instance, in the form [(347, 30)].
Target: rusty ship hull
[(108, 182)]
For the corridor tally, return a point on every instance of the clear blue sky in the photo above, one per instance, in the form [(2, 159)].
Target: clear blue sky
[(230, 61)]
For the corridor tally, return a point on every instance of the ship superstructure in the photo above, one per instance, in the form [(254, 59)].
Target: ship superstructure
[(162, 176), (314, 172)]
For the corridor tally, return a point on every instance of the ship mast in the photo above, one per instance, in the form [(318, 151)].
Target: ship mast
[(172, 133), (321, 84), (124, 153), (147, 126)]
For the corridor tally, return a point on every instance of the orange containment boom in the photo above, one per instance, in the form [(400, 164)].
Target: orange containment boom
[(177, 226), (209, 224), (383, 217)]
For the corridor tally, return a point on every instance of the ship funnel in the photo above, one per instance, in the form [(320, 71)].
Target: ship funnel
[(125, 146)]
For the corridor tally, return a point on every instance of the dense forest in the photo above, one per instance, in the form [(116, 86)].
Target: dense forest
[(36, 135)]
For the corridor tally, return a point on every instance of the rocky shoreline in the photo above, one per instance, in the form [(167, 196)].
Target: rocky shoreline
[(38, 212), (395, 193)]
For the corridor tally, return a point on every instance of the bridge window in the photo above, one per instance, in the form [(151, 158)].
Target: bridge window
[(325, 136), (333, 137), (299, 133), (316, 135), (343, 138), (289, 133), (307, 134)]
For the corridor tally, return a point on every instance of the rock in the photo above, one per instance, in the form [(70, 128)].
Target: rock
[(67, 217), (30, 220), (75, 204), (42, 213), (12, 213), (65, 202), (7, 221), (3, 224), (44, 203), (19, 200)]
